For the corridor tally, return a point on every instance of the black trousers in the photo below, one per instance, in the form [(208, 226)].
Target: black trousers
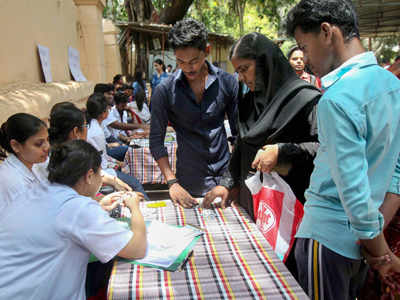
[(325, 274)]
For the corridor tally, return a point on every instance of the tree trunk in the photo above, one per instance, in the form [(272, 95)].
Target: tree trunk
[(174, 11)]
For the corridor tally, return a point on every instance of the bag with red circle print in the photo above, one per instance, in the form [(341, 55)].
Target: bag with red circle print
[(277, 211)]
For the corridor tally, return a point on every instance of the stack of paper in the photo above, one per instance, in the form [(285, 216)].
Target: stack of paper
[(166, 243)]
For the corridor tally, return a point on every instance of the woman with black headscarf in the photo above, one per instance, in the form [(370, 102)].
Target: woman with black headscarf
[(277, 122)]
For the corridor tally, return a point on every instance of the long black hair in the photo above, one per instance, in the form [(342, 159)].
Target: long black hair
[(161, 63), (72, 160), (19, 127), (95, 106), (64, 117), (139, 79)]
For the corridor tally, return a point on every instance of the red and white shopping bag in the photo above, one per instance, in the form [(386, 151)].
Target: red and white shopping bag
[(277, 211)]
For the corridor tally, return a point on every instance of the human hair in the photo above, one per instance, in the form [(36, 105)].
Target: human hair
[(71, 160), (117, 78), (308, 15), (397, 58), (139, 79), (140, 98), (64, 117), (169, 66), (95, 106), (245, 47), (125, 87), (19, 127), (103, 88), (160, 62), (120, 97), (188, 33), (292, 50)]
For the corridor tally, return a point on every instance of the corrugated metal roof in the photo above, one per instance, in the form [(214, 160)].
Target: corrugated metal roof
[(378, 17)]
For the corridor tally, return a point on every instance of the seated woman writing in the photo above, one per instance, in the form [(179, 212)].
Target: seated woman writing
[(47, 237)]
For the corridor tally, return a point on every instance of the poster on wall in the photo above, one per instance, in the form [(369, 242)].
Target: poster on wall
[(44, 54), (75, 64)]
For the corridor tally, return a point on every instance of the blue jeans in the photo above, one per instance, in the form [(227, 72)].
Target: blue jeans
[(132, 182), (117, 152)]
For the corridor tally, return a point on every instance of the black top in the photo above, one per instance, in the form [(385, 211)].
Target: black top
[(203, 153), (281, 110)]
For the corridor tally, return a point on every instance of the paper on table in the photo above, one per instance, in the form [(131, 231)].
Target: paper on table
[(166, 242)]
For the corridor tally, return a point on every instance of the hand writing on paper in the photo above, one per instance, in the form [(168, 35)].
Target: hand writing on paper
[(266, 158), (180, 196), (109, 202), (132, 200)]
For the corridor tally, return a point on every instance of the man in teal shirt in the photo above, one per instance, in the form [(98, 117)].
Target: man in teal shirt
[(359, 134)]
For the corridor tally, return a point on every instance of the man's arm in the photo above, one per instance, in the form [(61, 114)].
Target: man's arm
[(127, 126), (350, 174), (158, 125)]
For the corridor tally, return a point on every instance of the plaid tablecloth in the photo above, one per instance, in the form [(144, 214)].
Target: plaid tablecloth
[(231, 261), (140, 163)]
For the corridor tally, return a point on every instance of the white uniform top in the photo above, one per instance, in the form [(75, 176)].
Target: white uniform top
[(41, 172), (46, 240), (95, 136), (16, 181), (144, 115), (112, 117)]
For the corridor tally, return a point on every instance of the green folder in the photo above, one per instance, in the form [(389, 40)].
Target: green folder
[(178, 264)]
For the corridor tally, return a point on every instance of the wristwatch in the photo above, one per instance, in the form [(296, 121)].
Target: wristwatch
[(171, 182)]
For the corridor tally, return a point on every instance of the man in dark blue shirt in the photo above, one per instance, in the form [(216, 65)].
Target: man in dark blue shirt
[(194, 100)]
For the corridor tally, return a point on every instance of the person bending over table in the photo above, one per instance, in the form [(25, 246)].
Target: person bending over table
[(97, 111), (277, 128), (117, 120), (24, 138), (47, 237), (194, 100), (115, 148)]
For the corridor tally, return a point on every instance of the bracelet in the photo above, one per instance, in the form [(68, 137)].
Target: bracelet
[(379, 260)]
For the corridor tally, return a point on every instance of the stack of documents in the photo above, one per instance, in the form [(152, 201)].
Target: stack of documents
[(168, 246)]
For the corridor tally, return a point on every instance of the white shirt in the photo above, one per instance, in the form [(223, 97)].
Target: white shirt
[(46, 240), (95, 136), (112, 117), (144, 115), (16, 181)]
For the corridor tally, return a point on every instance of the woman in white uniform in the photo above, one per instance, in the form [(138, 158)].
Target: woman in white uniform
[(24, 138), (97, 112), (46, 238)]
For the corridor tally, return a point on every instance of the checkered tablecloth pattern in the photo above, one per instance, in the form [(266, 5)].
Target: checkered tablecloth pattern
[(231, 261), (140, 163)]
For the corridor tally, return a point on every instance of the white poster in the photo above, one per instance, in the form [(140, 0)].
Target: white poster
[(75, 64), (44, 54)]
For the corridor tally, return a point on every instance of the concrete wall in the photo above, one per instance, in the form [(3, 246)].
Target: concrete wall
[(91, 38), (25, 23), (55, 24), (112, 56)]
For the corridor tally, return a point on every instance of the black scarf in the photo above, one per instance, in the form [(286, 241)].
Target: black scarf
[(279, 95)]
